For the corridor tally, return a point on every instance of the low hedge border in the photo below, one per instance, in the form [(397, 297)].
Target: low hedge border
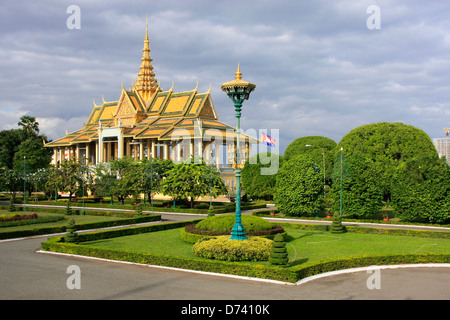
[(285, 274), (369, 230), (216, 210), (85, 226)]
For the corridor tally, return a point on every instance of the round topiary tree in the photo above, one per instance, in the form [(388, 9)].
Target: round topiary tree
[(299, 187), (386, 145), (278, 253), (313, 146)]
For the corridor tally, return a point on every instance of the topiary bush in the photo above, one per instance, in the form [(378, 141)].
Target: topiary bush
[(336, 224), (222, 248), (72, 236), (278, 253)]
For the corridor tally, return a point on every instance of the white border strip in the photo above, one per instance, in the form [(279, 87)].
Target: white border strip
[(298, 283), (374, 267), (169, 268)]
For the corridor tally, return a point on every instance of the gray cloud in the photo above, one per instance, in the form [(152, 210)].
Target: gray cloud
[(318, 69)]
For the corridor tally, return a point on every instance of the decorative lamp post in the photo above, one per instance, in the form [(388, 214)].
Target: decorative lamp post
[(24, 183), (238, 90)]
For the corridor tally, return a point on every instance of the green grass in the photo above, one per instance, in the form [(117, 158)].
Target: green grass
[(303, 246), (315, 246)]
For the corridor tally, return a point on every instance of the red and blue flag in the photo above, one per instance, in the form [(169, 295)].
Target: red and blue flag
[(268, 140)]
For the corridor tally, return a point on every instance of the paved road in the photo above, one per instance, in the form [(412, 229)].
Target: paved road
[(27, 274)]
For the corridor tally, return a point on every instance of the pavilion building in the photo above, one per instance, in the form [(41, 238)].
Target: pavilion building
[(149, 122)]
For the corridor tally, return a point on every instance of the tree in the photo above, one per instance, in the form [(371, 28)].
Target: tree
[(70, 178), (10, 141), (256, 183), (53, 181), (37, 156), (299, 186), (103, 181), (127, 178), (362, 195), (192, 180), (30, 127), (387, 145), (316, 146), (26, 142), (153, 172), (421, 190)]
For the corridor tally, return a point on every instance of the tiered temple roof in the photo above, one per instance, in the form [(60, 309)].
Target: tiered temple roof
[(145, 111)]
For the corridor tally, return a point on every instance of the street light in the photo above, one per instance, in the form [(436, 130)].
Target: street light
[(24, 183), (238, 90)]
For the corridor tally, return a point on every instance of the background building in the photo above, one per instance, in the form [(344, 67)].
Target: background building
[(442, 145), (149, 122)]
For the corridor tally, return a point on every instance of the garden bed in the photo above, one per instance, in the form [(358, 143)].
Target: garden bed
[(149, 245)]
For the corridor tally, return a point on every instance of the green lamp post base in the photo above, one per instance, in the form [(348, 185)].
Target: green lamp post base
[(238, 232)]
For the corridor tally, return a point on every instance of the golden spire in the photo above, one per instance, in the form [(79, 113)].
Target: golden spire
[(238, 74), (146, 83)]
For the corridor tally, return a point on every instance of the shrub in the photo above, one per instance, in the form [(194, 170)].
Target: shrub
[(72, 236), (336, 224), (225, 223), (222, 248), (139, 208), (278, 254), (299, 187)]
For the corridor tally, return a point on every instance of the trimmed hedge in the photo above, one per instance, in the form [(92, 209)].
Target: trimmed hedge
[(85, 226), (191, 234), (225, 223), (222, 248)]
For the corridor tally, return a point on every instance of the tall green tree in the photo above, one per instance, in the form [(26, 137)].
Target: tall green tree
[(299, 186), (387, 145), (421, 190), (18, 144), (70, 177), (259, 175), (128, 182), (192, 180), (10, 141), (314, 146), (153, 172), (362, 195)]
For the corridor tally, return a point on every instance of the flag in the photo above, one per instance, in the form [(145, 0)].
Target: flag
[(268, 140)]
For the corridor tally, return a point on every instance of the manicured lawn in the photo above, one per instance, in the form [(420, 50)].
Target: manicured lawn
[(303, 245)]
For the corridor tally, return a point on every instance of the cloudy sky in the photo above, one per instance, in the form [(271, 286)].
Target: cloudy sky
[(318, 68)]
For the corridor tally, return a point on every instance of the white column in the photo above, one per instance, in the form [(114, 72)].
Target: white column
[(217, 155), (166, 150), (153, 148), (120, 145), (141, 150)]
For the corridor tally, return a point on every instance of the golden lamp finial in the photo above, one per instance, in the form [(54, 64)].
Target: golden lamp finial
[(238, 74)]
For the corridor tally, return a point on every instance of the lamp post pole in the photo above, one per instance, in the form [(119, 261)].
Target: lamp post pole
[(24, 183), (238, 91)]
